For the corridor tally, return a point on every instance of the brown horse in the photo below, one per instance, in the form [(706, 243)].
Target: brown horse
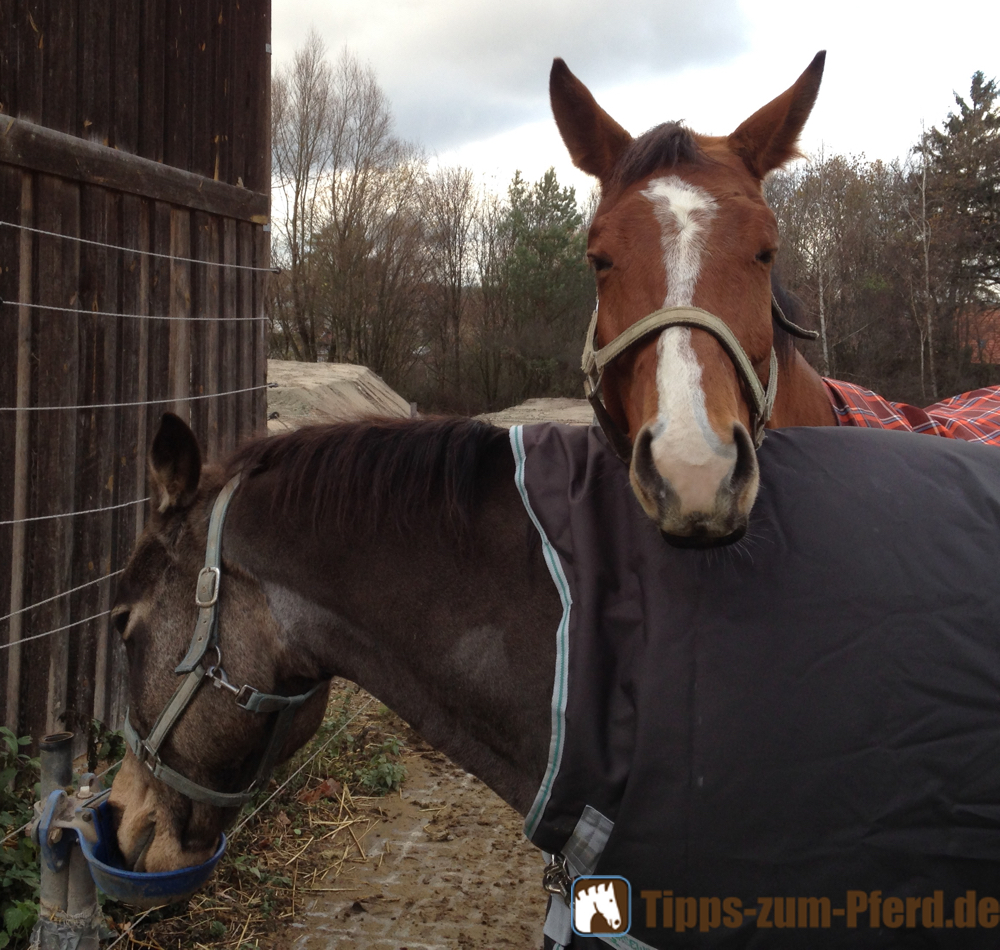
[(410, 573), (683, 245)]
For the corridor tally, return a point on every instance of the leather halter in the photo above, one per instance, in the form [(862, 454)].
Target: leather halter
[(596, 358), (205, 637)]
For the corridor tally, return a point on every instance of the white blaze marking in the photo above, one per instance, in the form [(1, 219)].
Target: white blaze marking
[(686, 450)]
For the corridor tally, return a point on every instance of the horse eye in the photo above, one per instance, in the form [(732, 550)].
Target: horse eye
[(599, 263), (767, 257), (120, 619)]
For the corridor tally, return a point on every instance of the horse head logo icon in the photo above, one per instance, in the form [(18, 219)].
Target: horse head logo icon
[(601, 905)]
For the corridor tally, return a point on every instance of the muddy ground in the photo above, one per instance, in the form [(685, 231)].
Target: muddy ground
[(441, 864)]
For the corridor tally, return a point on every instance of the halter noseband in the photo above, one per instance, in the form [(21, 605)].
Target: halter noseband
[(205, 637), (595, 359)]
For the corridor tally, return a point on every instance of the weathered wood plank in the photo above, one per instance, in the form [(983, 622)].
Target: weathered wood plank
[(262, 257), (152, 55), (125, 22), (179, 94), (95, 467), (259, 85), (201, 80), (56, 362), (10, 200), (93, 88), (35, 147), (180, 310), (242, 99), (205, 332), (21, 455), (60, 52), (130, 438), (248, 332), (229, 374), (28, 42), (159, 361)]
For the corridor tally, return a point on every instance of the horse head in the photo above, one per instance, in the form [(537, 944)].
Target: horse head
[(210, 742), (682, 343), (606, 903)]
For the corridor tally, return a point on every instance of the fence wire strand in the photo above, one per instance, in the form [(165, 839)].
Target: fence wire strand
[(136, 250), (80, 312), (144, 402), (65, 593), (73, 514), (49, 633)]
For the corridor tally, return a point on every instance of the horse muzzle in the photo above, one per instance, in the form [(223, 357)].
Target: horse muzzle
[(696, 504)]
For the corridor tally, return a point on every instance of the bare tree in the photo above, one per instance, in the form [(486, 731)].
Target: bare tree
[(449, 204), (302, 110), (369, 246)]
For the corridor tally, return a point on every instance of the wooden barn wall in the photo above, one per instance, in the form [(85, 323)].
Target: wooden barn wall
[(141, 125)]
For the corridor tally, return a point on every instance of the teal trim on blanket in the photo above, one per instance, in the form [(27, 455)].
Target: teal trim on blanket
[(560, 685)]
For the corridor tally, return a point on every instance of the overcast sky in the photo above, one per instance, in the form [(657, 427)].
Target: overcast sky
[(468, 79)]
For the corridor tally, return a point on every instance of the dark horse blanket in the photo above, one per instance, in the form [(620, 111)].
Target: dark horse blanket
[(972, 417), (793, 741)]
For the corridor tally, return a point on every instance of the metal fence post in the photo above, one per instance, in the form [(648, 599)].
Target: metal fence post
[(69, 917)]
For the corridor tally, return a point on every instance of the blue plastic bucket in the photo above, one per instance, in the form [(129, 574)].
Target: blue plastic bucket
[(138, 888)]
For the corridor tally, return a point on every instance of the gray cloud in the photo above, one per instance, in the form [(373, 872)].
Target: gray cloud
[(458, 71)]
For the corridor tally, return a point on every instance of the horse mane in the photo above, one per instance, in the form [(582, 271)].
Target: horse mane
[(663, 146), (364, 476)]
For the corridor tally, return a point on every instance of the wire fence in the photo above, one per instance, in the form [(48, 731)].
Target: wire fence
[(140, 402), (169, 360), (138, 250), (81, 312)]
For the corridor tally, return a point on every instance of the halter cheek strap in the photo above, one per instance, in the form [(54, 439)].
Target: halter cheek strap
[(205, 636)]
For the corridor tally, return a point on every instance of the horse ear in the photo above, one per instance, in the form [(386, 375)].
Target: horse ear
[(174, 463), (770, 136), (594, 139)]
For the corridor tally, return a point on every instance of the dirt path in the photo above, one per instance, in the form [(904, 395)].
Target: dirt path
[(445, 866)]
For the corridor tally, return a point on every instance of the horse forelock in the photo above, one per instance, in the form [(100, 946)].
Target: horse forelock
[(360, 477), (662, 147)]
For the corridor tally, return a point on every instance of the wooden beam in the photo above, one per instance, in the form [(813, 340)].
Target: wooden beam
[(31, 146)]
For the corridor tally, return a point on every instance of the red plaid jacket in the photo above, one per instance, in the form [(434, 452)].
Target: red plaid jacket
[(974, 417)]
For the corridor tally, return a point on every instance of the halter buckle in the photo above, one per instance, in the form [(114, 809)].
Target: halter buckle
[(207, 592)]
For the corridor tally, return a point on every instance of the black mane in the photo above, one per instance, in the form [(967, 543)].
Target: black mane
[(363, 476), (664, 146)]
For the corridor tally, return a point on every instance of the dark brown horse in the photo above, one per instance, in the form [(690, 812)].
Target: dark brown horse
[(397, 555), (819, 657), (682, 226)]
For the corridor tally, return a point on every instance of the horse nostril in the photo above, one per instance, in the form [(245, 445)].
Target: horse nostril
[(642, 457), (745, 467)]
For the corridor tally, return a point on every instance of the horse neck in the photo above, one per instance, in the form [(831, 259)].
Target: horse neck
[(802, 399), (455, 635)]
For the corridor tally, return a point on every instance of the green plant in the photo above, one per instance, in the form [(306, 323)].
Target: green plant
[(104, 745), (383, 772), (19, 872)]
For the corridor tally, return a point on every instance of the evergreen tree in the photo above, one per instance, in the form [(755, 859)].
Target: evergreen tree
[(963, 192), (550, 288)]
